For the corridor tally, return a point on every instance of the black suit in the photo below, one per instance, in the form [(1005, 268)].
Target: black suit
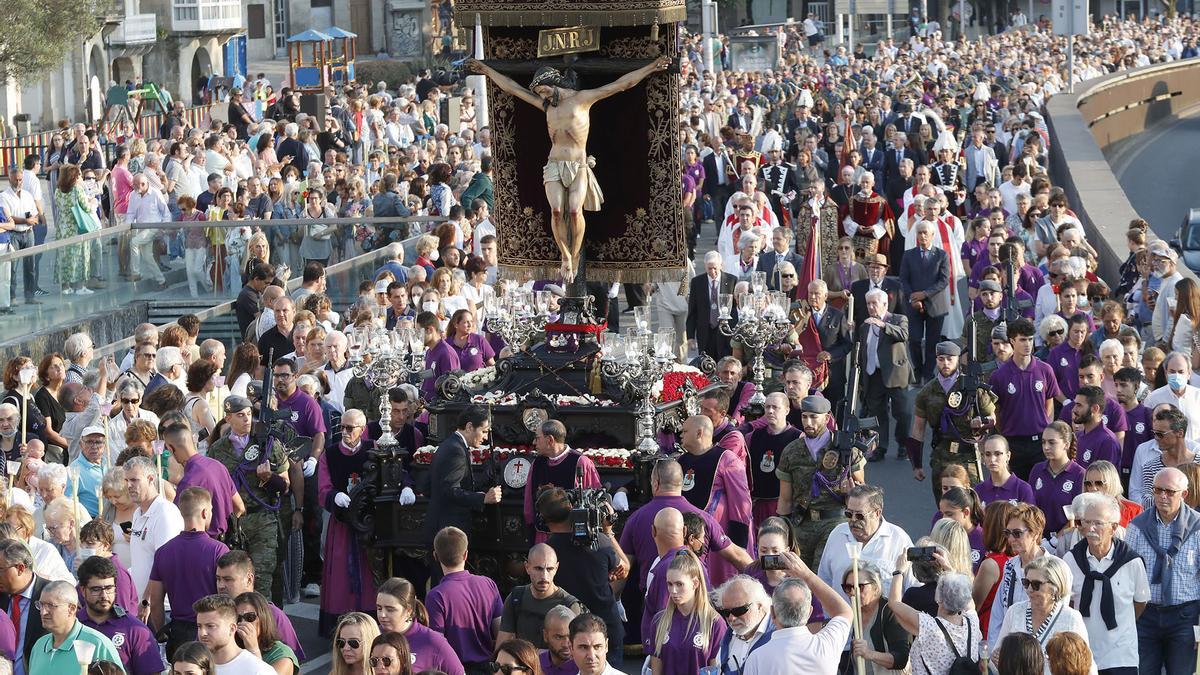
[(892, 159), (889, 285), (714, 190), (33, 618), (835, 339), (768, 261), (929, 275), (453, 494), (873, 161), (740, 121), (889, 383), (709, 339)]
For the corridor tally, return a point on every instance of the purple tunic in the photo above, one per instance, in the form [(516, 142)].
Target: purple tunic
[(683, 653), (1054, 492), (1064, 361), (8, 637), (187, 568), (637, 538), (568, 667), (1022, 395), (462, 607), (1140, 430), (475, 354), (1097, 444), (978, 550), (1014, 490), (441, 359), (201, 471), (134, 642), (430, 651), (308, 418), (1113, 416)]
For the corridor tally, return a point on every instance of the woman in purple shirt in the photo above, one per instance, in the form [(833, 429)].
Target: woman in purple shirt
[(962, 506), (400, 611), (687, 634), (1001, 484), (1057, 480), (474, 351)]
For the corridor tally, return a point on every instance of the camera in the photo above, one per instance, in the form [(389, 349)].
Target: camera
[(772, 562), (591, 514)]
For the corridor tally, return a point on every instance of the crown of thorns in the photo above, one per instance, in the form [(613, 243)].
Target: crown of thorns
[(552, 77)]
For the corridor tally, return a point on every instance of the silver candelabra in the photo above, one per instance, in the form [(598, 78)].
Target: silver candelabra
[(517, 316), (384, 358), (762, 320), (637, 361)]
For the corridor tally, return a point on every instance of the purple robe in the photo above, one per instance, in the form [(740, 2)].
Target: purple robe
[(716, 482), (348, 585), (440, 359)]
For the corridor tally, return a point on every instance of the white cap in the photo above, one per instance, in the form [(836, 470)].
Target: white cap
[(95, 429), (381, 286), (945, 141)]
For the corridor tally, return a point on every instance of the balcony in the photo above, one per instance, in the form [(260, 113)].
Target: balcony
[(206, 16), (135, 29)]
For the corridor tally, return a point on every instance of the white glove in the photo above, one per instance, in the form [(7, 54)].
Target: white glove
[(342, 499), (310, 467), (407, 496), (621, 611), (620, 502)]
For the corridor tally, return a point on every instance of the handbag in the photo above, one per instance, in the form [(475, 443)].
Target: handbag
[(85, 219)]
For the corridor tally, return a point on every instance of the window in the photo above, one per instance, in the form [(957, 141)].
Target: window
[(256, 21), (322, 3)]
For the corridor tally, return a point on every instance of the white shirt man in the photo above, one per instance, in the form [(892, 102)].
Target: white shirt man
[(884, 543), (16, 204), (1128, 589), (155, 521)]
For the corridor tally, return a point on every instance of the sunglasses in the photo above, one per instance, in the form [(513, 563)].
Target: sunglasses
[(1161, 434), (505, 668), (741, 610), (248, 617), (1056, 332), (131, 401), (1093, 484), (354, 643), (849, 588), (385, 661), (788, 276), (854, 515), (1014, 533), (1031, 585)]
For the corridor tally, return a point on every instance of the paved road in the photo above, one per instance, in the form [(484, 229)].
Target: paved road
[(1157, 173)]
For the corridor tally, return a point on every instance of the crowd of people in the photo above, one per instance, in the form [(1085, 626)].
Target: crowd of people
[(900, 201)]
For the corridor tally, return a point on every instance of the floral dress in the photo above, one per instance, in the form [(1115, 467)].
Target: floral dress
[(73, 262)]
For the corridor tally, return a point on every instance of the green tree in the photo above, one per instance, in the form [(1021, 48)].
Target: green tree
[(39, 34)]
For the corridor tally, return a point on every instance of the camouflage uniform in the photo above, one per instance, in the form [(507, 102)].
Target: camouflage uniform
[(954, 442), (814, 517), (261, 525)]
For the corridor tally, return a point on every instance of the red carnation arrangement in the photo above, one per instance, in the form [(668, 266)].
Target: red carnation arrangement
[(673, 384)]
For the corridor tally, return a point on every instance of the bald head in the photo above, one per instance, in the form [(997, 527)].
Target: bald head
[(1170, 478), (1170, 490), (541, 565), (697, 434), (542, 554), (668, 529)]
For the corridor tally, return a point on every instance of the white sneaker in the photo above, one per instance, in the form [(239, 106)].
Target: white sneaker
[(176, 263), (312, 591), (85, 291), (68, 291)]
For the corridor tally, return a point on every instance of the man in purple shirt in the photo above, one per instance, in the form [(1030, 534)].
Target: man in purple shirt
[(235, 575), (556, 630), (1095, 441), (1112, 415), (201, 471), (440, 357), (464, 607), (185, 569), (1025, 388), (307, 421), (666, 483), (134, 642), (1138, 417)]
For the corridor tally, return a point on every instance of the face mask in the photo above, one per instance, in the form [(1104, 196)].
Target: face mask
[(1157, 273), (431, 306), (1176, 381), (85, 553)]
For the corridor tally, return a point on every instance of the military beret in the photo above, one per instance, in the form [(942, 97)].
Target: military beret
[(236, 404), (1000, 332), (814, 404), (989, 285), (948, 348)]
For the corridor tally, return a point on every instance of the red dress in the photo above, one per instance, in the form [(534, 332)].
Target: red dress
[(985, 612), (1129, 511)]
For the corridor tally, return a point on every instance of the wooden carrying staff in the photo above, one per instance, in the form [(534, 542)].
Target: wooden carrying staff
[(854, 550)]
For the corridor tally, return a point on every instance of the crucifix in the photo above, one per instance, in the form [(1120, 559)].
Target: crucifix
[(571, 187)]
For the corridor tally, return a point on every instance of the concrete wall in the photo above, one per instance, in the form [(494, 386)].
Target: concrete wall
[(1100, 113)]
